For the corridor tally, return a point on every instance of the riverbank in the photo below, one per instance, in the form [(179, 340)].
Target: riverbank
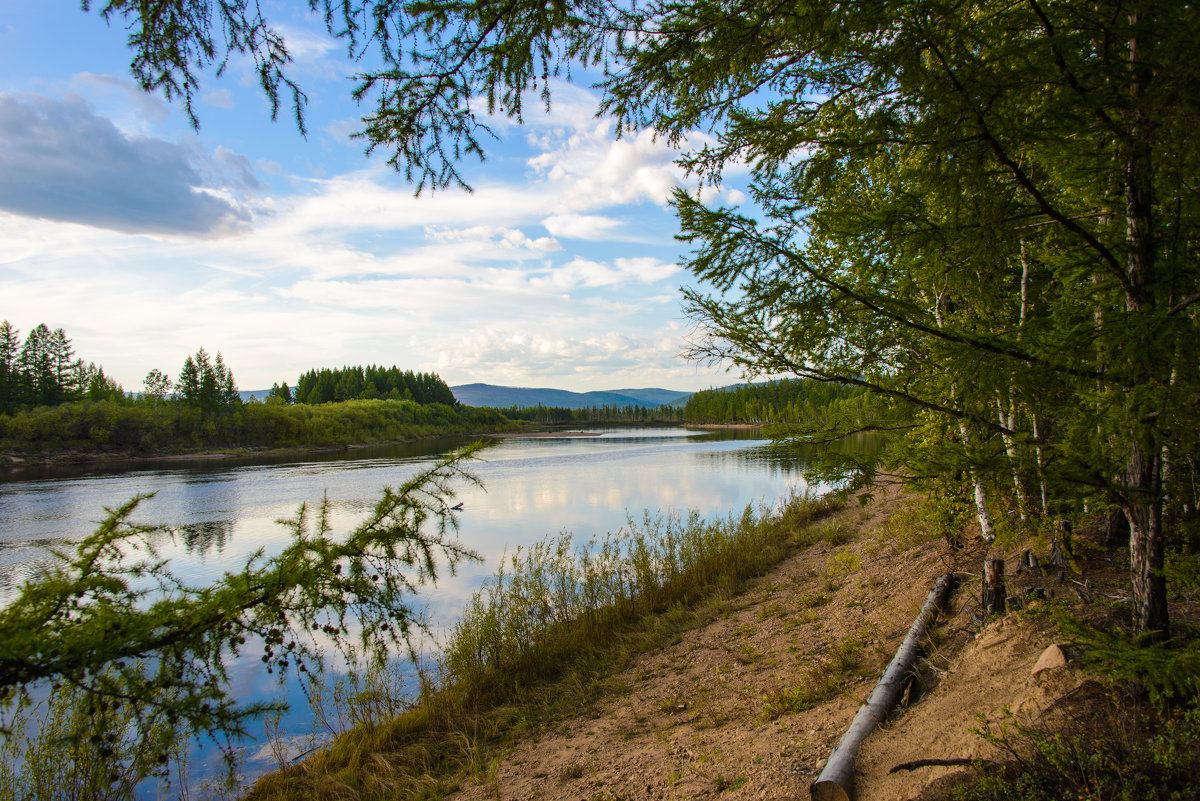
[(747, 693), (15, 462), (45, 465), (114, 432), (750, 704), (12, 464), (723, 426)]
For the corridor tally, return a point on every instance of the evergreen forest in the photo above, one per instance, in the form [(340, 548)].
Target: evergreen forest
[(44, 371), (368, 383), (52, 402), (800, 401), (594, 415)]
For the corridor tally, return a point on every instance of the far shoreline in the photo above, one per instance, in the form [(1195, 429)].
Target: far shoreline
[(13, 464)]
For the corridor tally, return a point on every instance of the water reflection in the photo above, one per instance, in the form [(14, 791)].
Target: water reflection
[(200, 538)]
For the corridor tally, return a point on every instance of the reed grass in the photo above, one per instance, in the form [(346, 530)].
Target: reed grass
[(537, 641)]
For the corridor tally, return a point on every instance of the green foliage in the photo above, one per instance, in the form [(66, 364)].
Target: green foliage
[(43, 372), (946, 510), (843, 563), (595, 414), (982, 213), (350, 383), (206, 383), (1120, 757), (81, 751), (149, 427), (825, 678), (117, 632), (821, 406), (1169, 669)]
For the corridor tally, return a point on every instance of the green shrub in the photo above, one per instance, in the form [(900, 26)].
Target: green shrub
[(1118, 755)]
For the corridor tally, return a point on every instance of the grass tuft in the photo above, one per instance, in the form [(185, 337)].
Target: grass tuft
[(825, 679)]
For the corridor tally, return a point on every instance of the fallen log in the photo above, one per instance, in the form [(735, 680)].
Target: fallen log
[(836, 782)]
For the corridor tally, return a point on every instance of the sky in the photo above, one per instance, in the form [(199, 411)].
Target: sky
[(145, 239)]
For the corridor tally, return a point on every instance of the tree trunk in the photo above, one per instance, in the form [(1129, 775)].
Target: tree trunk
[(1037, 442), (1028, 563), (994, 590), (1142, 500), (1146, 549), (836, 782), (981, 508), (1010, 447), (1060, 545)]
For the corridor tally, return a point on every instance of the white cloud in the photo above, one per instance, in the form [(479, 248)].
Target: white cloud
[(580, 226), (582, 272), (597, 171), (506, 239), (307, 45), (342, 131)]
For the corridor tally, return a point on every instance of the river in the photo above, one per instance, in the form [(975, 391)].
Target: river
[(532, 488)]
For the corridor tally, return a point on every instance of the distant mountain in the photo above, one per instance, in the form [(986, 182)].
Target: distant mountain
[(503, 397), (257, 394), (655, 397)]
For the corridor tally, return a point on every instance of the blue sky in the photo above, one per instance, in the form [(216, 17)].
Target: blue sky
[(145, 240)]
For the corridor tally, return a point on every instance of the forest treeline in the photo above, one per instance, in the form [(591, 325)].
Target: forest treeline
[(52, 401), (366, 383), (795, 401), (595, 414), (44, 370)]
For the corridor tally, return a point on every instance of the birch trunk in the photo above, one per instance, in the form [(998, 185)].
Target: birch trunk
[(836, 782), (981, 508)]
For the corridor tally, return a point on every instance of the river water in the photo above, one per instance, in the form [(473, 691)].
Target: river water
[(223, 512)]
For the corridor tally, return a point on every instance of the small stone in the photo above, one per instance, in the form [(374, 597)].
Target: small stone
[(1051, 659)]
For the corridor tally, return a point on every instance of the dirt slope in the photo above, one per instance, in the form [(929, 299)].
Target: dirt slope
[(700, 719)]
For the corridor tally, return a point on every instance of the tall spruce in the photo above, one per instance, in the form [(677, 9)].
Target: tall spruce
[(10, 384)]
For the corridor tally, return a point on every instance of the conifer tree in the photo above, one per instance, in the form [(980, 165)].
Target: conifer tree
[(188, 383), (37, 368), (10, 383)]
